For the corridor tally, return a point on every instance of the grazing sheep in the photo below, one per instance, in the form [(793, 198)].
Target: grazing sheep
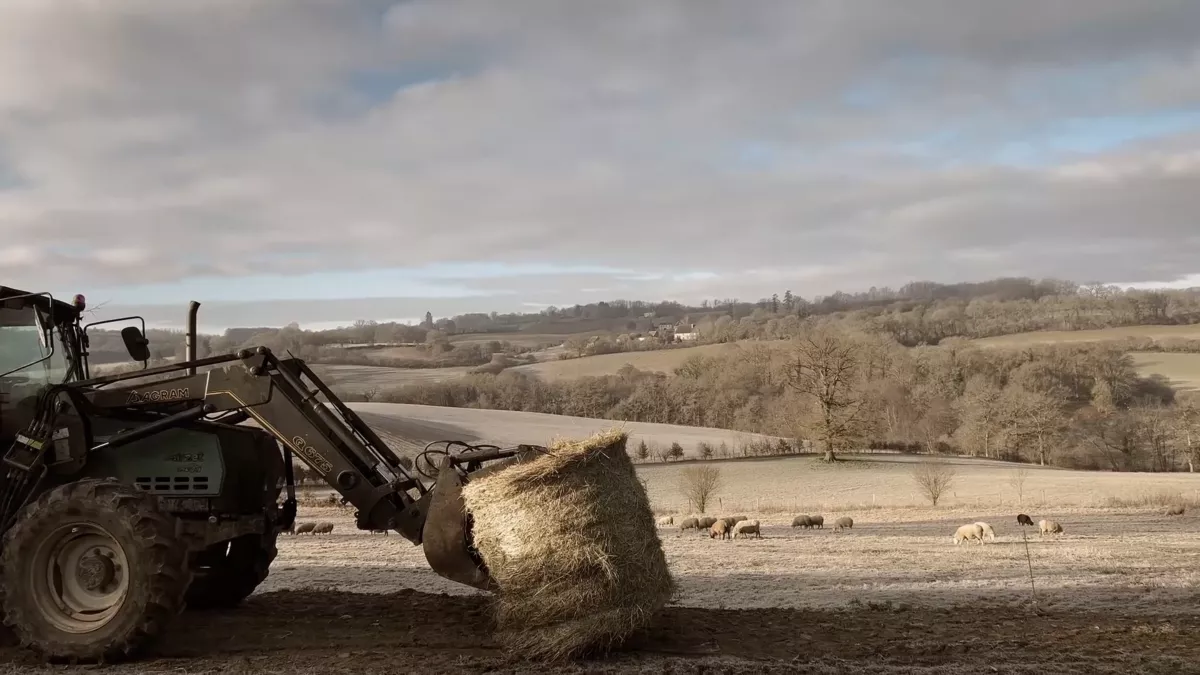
[(844, 522), (323, 528), (1023, 519), (689, 524), (731, 520), (988, 532), (745, 528), (1048, 527), (707, 522), (304, 528), (966, 532), (666, 520), (718, 529), (802, 521), (817, 522), (1175, 510)]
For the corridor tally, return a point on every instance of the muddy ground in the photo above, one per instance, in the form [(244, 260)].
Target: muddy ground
[(411, 632), (1117, 594)]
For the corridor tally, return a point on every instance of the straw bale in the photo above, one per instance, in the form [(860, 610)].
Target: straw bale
[(570, 540)]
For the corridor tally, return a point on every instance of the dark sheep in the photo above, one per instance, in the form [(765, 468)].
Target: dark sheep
[(1175, 510), (802, 521), (1023, 519), (707, 522), (817, 522), (689, 524)]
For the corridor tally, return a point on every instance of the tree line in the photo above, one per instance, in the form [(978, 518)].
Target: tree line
[(837, 388), (917, 313)]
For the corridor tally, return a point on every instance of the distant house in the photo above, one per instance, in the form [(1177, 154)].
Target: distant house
[(685, 331), (665, 330)]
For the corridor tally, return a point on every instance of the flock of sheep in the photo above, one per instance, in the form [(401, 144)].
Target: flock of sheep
[(730, 527), (735, 526)]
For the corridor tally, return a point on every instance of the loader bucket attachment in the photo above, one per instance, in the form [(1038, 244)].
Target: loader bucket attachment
[(446, 537)]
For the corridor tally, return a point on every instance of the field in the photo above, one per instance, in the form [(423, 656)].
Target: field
[(662, 360), (360, 378), (1181, 370), (410, 426), (1115, 593), (1189, 332)]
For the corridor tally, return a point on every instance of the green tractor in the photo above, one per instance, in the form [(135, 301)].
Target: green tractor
[(129, 497)]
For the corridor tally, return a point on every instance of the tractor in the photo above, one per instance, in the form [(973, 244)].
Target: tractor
[(130, 496)]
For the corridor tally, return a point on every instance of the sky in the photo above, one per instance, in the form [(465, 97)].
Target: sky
[(320, 162)]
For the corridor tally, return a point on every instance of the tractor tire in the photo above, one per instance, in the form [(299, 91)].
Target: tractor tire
[(230, 571), (106, 551)]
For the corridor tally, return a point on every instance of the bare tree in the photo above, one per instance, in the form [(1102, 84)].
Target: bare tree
[(824, 366), (1017, 481), (699, 484), (933, 477), (370, 393)]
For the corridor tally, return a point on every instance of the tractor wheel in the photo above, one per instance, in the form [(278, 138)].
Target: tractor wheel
[(226, 573), (92, 571)]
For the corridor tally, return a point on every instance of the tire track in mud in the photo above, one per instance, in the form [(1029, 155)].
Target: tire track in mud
[(303, 632)]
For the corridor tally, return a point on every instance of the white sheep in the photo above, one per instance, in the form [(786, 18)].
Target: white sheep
[(666, 520), (323, 528), (1048, 527), (988, 532), (745, 528), (843, 523), (966, 532)]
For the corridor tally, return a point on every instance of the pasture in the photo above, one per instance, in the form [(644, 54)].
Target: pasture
[(361, 378), (1182, 370), (661, 360), (1189, 332)]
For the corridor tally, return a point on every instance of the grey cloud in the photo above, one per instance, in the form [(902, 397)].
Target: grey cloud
[(155, 141)]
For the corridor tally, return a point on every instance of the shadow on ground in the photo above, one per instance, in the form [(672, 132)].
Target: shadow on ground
[(300, 632)]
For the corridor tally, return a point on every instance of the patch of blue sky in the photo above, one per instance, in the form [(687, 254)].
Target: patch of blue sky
[(1089, 135), (440, 280)]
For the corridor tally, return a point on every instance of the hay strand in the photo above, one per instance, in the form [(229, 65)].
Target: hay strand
[(569, 537)]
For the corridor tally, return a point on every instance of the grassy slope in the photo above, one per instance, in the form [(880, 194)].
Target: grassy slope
[(777, 482)]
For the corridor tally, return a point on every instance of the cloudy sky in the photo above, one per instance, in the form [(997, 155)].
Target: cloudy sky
[(324, 161)]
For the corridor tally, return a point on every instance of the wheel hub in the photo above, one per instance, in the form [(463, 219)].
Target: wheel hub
[(80, 577)]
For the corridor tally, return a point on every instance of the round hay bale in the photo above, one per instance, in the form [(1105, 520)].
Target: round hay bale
[(570, 540)]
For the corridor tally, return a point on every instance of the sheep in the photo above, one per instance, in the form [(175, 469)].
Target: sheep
[(323, 528), (718, 529), (1023, 519), (304, 528), (706, 522), (1048, 527), (747, 527), (802, 521), (965, 532), (666, 520), (817, 522), (844, 522), (383, 532), (689, 524), (988, 532), (1175, 510)]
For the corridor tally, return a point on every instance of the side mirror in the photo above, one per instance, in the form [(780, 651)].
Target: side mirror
[(135, 343)]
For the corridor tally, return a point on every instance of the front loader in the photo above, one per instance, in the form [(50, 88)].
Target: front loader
[(125, 498)]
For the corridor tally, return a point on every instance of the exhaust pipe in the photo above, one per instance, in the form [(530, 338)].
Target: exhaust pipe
[(190, 338)]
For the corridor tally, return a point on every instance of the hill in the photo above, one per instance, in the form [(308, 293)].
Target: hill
[(785, 483), (410, 427)]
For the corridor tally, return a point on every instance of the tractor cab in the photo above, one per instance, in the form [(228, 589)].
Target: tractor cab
[(42, 343)]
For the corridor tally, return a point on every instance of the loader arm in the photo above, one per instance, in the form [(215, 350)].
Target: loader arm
[(284, 397)]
